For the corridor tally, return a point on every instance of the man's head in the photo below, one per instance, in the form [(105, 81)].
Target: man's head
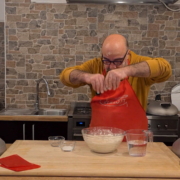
[(115, 50)]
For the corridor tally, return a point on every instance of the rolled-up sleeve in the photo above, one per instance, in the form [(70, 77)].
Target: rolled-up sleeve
[(160, 69), (64, 76), (90, 66)]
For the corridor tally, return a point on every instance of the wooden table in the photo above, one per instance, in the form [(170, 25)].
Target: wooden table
[(82, 164)]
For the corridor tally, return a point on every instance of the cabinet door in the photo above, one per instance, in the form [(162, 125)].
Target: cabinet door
[(42, 130), (11, 131)]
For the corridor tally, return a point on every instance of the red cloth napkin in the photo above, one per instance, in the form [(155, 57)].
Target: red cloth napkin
[(17, 163)]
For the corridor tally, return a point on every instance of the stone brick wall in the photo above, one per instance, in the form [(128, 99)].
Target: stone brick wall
[(43, 39), (2, 67)]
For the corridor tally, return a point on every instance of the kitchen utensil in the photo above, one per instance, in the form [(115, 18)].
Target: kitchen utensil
[(103, 139), (137, 140), (67, 146), (175, 96), (55, 141), (158, 107)]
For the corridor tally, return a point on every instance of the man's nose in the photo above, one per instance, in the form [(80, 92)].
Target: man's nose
[(112, 66)]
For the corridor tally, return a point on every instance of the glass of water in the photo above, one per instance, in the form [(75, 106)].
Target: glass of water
[(137, 140)]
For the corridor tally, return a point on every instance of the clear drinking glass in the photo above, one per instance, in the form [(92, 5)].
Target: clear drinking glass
[(137, 140)]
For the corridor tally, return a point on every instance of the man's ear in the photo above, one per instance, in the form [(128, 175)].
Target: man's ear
[(126, 62)]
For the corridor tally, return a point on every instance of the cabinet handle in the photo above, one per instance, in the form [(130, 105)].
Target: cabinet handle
[(33, 132), (24, 131), (165, 135), (75, 134)]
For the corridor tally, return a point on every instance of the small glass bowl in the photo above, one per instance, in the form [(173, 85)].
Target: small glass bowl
[(68, 146), (56, 141)]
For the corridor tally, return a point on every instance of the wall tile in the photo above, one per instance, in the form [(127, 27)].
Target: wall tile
[(2, 66), (43, 39)]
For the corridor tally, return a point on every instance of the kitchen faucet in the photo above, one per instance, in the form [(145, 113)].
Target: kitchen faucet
[(37, 92)]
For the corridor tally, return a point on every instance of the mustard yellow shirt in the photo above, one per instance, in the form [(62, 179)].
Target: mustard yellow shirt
[(140, 85)]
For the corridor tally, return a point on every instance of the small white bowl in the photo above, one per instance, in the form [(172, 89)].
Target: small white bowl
[(68, 146), (56, 141)]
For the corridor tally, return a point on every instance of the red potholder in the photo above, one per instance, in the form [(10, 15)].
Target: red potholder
[(17, 163)]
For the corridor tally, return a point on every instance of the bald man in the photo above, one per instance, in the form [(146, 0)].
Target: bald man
[(117, 63)]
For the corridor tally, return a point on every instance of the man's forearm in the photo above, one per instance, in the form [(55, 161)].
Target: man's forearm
[(78, 76), (138, 70)]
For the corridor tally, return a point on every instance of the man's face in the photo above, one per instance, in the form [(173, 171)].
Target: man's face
[(113, 61)]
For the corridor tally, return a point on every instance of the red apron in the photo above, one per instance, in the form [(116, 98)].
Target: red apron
[(118, 108)]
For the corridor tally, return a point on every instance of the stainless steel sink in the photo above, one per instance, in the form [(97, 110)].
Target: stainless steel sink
[(17, 112), (43, 112), (52, 112)]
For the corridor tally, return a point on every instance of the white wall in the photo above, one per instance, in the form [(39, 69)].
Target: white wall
[(2, 10)]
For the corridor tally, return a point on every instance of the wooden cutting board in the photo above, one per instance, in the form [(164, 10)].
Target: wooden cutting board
[(159, 162)]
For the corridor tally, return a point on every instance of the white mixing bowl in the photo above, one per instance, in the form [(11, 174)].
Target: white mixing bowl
[(103, 139)]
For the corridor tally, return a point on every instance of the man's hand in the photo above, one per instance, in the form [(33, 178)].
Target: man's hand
[(97, 82), (113, 78)]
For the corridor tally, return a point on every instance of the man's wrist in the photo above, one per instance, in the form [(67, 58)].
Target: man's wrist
[(78, 76), (85, 77)]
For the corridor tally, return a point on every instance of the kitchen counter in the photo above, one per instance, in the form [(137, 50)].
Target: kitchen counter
[(8, 145), (33, 118), (82, 164), (33, 115)]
